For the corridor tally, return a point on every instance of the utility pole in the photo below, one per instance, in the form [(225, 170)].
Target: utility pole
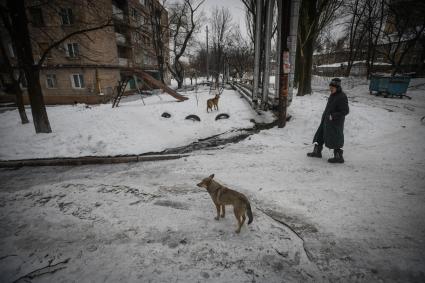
[(257, 51), (266, 72), (287, 29), (208, 69)]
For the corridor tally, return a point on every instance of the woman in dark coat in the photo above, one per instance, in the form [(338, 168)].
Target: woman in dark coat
[(331, 129)]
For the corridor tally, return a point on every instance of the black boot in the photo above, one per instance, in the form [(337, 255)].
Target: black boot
[(317, 151), (338, 158)]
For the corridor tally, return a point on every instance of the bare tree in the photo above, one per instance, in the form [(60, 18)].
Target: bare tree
[(405, 28), (250, 16), (315, 15), (356, 30), (184, 22), (15, 87), (375, 14), (240, 54), (15, 11), (198, 61), (221, 21), (382, 27)]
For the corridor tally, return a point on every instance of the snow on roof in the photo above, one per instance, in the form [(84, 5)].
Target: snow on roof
[(339, 64)]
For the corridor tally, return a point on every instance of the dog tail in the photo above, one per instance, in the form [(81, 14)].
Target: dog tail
[(249, 212)]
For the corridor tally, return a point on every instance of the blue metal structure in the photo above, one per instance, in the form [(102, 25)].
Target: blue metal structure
[(389, 86)]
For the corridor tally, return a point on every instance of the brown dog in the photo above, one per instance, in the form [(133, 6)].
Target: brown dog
[(213, 102), (222, 196)]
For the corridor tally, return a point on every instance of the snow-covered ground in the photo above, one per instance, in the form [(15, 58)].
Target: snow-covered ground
[(132, 128), (362, 221)]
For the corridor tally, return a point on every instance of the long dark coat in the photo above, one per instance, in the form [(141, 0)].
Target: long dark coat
[(331, 132)]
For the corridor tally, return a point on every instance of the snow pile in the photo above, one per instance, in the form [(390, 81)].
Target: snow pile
[(132, 128)]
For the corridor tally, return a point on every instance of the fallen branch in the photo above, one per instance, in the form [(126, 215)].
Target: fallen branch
[(44, 270)]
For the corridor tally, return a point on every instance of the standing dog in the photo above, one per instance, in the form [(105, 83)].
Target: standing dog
[(222, 196), (213, 102)]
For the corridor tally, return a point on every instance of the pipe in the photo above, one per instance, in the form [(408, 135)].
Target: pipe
[(257, 52), (268, 36)]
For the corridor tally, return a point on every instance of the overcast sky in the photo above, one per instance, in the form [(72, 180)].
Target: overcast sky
[(236, 9)]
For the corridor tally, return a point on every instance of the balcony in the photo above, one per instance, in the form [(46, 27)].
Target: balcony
[(120, 38), (117, 13)]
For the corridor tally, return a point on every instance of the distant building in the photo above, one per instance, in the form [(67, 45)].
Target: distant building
[(86, 68)]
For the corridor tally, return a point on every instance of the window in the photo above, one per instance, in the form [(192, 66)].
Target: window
[(67, 17), (51, 81), (72, 50), (77, 81), (36, 17)]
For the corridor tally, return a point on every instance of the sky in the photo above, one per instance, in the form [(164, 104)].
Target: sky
[(236, 9)]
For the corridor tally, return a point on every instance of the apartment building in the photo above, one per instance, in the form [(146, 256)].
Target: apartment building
[(87, 67)]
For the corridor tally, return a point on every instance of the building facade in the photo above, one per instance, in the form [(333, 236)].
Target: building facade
[(86, 67)]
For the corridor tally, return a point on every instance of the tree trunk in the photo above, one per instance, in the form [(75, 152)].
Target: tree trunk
[(301, 83), (161, 68), (301, 74), (305, 42), (38, 108), (15, 87), (179, 74), (22, 42), (307, 63), (179, 83), (369, 61), (298, 66), (217, 75), (20, 102)]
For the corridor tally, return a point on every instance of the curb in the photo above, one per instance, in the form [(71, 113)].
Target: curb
[(87, 160)]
